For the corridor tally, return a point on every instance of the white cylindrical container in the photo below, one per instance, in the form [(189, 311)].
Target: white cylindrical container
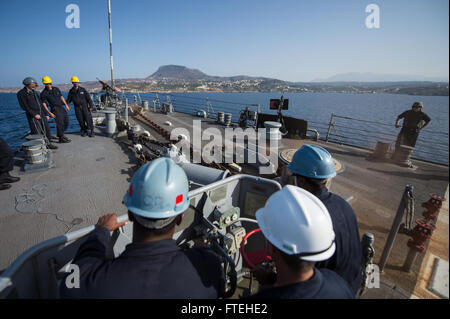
[(110, 121), (273, 134)]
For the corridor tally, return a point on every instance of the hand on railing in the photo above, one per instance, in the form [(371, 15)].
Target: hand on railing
[(109, 221)]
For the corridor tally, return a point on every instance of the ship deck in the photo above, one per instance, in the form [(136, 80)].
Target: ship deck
[(373, 189), (89, 179), (91, 175)]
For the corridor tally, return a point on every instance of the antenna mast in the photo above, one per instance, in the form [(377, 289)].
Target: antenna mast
[(110, 45)]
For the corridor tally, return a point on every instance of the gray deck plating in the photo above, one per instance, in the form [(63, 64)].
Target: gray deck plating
[(439, 278), (91, 176), (89, 179), (373, 189)]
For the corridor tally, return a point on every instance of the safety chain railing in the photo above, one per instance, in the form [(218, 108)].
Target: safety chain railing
[(420, 233), (340, 129), (192, 104), (16, 135), (396, 225), (366, 133)]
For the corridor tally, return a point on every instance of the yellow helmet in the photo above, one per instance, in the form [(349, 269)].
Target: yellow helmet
[(46, 80), (75, 80)]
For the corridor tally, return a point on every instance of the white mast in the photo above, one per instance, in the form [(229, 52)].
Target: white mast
[(110, 44)]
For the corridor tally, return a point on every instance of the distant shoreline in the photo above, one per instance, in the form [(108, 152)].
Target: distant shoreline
[(15, 90), (180, 79)]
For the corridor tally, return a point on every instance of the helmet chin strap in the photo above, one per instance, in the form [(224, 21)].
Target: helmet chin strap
[(294, 182), (290, 177)]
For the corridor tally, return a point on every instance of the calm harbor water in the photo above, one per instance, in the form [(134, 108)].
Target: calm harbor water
[(316, 108)]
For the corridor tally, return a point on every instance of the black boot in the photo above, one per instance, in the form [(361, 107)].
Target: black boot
[(64, 140), (52, 147), (83, 133), (91, 133), (7, 178), (5, 186)]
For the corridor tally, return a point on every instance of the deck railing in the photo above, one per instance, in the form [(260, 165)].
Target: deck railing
[(431, 145)]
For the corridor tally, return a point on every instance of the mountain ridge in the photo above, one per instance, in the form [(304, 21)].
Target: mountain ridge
[(180, 72), (178, 78), (177, 72)]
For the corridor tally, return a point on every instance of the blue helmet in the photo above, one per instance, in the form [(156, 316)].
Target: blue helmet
[(313, 161), (158, 190)]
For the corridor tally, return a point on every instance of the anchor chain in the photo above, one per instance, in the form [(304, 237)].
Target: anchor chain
[(155, 153), (409, 202), (410, 212)]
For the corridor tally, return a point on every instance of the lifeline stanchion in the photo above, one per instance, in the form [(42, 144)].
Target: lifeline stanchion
[(395, 227), (126, 110)]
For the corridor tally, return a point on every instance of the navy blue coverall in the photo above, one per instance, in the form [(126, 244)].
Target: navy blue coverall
[(53, 99), (82, 102), (30, 102), (6, 157), (347, 258), (325, 284), (145, 270)]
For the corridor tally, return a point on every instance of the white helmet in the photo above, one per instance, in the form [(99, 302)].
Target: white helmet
[(297, 222)]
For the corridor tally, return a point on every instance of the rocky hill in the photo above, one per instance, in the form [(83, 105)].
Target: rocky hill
[(181, 73), (177, 78), (177, 73)]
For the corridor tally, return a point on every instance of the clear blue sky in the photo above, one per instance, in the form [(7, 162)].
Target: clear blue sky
[(290, 40)]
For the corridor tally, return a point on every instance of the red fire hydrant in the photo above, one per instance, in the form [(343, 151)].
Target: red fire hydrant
[(424, 229), (420, 234), (433, 206)]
